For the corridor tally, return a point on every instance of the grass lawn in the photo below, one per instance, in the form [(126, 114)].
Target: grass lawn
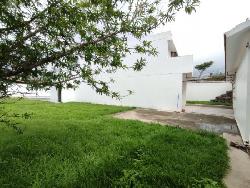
[(81, 145), (209, 103)]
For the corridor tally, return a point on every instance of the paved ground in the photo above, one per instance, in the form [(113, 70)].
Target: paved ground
[(192, 120), (219, 120), (211, 110), (239, 175)]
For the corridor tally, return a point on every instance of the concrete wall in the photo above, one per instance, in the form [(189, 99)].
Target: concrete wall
[(237, 51), (19, 90), (158, 85), (248, 98), (206, 91), (241, 100), (149, 91)]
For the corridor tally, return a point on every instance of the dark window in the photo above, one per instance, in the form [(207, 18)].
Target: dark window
[(174, 54)]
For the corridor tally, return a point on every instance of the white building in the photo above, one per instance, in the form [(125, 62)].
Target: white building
[(237, 54), (160, 85)]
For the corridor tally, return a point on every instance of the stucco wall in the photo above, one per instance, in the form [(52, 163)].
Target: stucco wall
[(248, 96), (241, 97), (158, 85), (206, 91), (149, 91), (20, 90)]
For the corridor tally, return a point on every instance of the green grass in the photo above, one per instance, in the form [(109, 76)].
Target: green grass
[(209, 103), (81, 145)]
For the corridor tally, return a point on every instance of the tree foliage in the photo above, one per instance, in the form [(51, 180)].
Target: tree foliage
[(202, 67), (65, 42)]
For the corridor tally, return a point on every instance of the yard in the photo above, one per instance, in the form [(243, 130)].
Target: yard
[(82, 145)]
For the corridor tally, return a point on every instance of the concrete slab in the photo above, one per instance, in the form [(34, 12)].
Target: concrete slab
[(239, 175), (193, 121)]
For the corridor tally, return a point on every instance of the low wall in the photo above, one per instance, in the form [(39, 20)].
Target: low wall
[(20, 90), (206, 91), (162, 92)]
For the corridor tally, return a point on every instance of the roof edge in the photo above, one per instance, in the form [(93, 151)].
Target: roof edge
[(238, 28)]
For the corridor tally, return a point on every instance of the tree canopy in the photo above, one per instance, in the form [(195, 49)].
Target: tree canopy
[(64, 42), (202, 67)]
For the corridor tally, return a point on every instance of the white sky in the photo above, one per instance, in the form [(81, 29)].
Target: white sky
[(201, 33)]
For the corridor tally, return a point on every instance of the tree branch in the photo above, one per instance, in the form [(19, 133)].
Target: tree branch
[(56, 56), (26, 23)]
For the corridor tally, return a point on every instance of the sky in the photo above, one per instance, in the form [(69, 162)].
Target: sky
[(202, 33)]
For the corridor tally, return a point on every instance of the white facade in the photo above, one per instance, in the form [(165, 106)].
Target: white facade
[(237, 51), (206, 91), (159, 85)]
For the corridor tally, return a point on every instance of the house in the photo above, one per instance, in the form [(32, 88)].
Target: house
[(237, 55), (160, 85)]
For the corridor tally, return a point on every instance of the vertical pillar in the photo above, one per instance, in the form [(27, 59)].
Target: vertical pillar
[(248, 95)]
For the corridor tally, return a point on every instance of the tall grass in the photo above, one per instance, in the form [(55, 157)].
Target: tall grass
[(81, 145)]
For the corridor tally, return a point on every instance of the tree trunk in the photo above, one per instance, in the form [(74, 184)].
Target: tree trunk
[(59, 94), (200, 74)]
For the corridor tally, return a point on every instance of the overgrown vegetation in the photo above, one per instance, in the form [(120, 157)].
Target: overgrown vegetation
[(81, 145)]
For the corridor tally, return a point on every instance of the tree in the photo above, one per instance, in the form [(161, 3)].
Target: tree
[(81, 38), (202, 67)]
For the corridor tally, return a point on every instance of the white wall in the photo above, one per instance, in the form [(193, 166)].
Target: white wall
[(162, 92), (157, 86), (184, 91), (206, 91), (237, 52), (241, 97), (248, 98), (20, 90)]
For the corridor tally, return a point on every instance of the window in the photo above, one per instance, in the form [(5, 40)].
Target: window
[(174, 54)]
